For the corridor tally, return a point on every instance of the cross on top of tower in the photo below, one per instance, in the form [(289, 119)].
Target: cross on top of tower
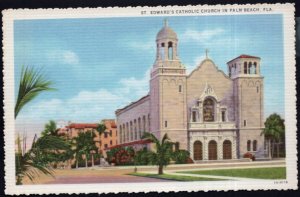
[(206, 53), (166, 22)]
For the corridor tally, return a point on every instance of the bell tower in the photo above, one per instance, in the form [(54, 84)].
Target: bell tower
[(248, 98), (168, 89)]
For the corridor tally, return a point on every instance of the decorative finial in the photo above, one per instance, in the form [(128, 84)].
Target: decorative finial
[(206, 52), (166, 22)]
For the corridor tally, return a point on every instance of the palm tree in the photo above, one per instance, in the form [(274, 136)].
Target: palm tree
[(50, 129), (26, 166), (101, 129), (37, 159), (85, 145), (274, 131), (163, 153), (32, 83)]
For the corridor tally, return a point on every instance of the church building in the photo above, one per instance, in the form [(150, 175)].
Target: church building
[(213, 115)]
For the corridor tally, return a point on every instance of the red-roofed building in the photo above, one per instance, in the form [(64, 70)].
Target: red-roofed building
[(107, 139)]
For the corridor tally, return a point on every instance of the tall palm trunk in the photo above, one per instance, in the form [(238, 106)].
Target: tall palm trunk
[(160, 169), (273, 147), (269, 147), (86, 161), (92, 159), (278, 150)]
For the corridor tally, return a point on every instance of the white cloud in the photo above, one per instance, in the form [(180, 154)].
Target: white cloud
[(201, 36), (87, 106), (64, 57), (69, 57), (138, 87)]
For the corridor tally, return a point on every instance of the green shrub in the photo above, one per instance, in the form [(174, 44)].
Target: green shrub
[(142, 157), (180, 156)]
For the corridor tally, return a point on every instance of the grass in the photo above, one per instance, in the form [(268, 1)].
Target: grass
[(257, 173), (175, 177)]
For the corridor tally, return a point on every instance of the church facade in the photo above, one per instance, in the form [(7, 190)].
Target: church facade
[(211, 114)]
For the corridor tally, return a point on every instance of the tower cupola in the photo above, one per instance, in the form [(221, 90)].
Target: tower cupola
[(244, 66), (166, 42)]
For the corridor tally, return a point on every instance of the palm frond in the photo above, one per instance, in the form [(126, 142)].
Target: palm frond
[(50, 129), (150, 136), (32, 83), (51, 143)]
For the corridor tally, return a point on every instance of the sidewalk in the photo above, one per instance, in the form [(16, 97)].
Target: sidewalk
[(229, 178), (201, 166)]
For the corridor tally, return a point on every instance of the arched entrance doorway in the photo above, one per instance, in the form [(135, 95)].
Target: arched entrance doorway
[(198, 150), (212, 150), (227, 150)]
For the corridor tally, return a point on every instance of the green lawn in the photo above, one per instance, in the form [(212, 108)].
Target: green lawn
[(257, 173), (174, 177)]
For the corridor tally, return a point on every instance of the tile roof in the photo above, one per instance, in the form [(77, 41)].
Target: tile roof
[(83, 125), (108, 122), (139, 142), (244, 56)]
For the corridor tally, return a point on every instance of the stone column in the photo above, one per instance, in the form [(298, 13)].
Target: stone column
[(173, 51), (191, 148), (200, 112), (220, 147), (234, 147), (205, 149), (218, 112)]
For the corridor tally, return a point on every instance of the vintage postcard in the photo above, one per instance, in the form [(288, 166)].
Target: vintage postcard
[(139, 99)]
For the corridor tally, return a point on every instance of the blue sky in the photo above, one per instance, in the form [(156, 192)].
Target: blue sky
[(101, 64)]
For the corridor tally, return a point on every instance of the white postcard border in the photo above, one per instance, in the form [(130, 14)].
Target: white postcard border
[(290, 103)]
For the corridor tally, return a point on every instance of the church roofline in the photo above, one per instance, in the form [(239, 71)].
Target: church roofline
[(243, 56), (203, 61), (118, 111)]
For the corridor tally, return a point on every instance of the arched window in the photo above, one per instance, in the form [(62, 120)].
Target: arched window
[(198, 150), (248, 145), (124, 134), (254, 146), (245, 67), (255, 68), (208, 110), (127, 132), (131, 131), (223, 116), (194, 116), (135, 130), (139, 127), (249, 68), (148, 122), (227, 149), (212, 150), (120, 129), (162, 51), (170, 51), (144, 124)]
